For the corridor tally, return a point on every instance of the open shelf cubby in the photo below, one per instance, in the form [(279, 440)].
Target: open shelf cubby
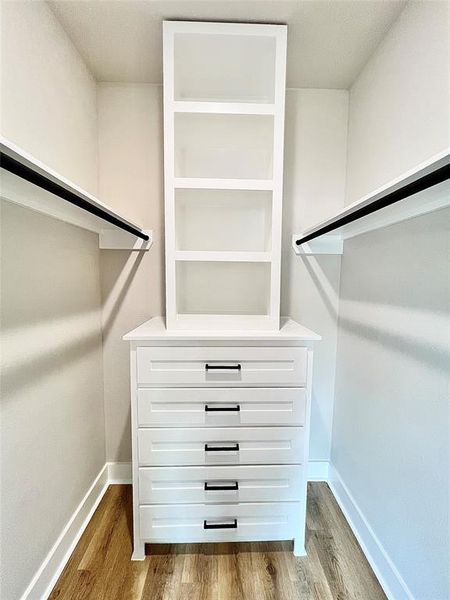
[(208, 68), (223, 288), (223, 146), (223, 220)]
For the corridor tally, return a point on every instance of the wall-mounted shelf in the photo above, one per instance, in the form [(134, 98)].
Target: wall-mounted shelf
[(30, 183), (421, 190)]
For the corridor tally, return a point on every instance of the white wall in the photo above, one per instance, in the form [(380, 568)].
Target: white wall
[(391, 425), (52, 442), (130, 178), (48, 97), (399, 104), (390, 430), (314, 183), (52, 418)]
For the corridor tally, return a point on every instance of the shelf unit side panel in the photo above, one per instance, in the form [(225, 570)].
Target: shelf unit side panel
[(278, 153), (169, 181)]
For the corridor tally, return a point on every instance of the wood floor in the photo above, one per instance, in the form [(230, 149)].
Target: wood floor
[(100, 566)]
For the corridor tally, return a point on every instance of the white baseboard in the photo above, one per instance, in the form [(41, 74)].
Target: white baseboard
[(119, 472), (318, 470), (390, 579), (47, 575)]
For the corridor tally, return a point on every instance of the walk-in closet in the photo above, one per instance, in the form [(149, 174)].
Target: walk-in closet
[(225, 293)]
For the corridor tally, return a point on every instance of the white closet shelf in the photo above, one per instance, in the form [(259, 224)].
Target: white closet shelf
[(32, 184), (213, 256), (232, 108), (421, 190), (222, 184)]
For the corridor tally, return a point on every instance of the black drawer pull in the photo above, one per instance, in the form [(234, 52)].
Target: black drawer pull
[(233, 448), (223, 367), (211, 487), (236, 408), (232, 525)]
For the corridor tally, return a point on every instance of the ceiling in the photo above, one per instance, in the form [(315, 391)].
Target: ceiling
[(329, 41)]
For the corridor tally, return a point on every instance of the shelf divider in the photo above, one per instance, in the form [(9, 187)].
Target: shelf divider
[(231, 108), (222, 184), (226, 256)]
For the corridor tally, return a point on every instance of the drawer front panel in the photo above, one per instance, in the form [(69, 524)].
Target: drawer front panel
[(219, 522), (228, 445), (219, 407), (170, 485), (221, 366)]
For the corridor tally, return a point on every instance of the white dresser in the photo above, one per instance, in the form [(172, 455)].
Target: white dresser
[(220, 432)]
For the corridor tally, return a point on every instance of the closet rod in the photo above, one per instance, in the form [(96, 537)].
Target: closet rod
[(419, 185), (23, 171)]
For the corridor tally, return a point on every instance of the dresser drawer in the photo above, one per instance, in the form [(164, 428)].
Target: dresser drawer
[(219, 407), (196, 523), (221, 366), (228, 445), (172, 485)]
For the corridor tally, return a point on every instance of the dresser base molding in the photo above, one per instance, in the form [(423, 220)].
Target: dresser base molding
[(138, 551), (298, 550)]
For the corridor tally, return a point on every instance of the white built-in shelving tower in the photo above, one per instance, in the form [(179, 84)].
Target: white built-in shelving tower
[(224, 91)]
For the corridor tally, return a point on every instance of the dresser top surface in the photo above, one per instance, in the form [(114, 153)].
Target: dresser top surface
[(155, 329)]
